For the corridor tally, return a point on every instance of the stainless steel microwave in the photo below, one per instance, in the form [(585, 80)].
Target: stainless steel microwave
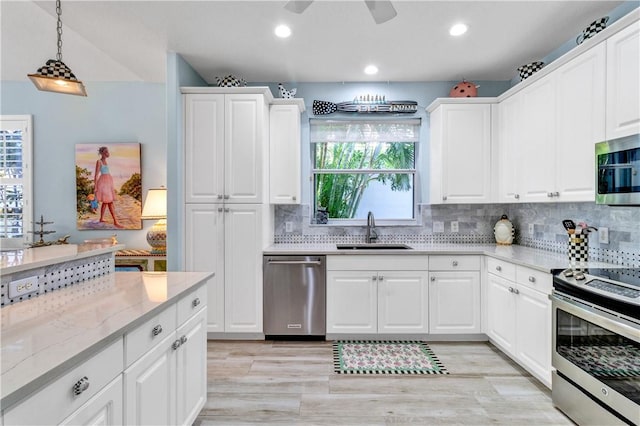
[(618, 171)]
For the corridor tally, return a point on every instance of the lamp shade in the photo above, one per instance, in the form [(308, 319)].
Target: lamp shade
[(155, 205), (55, 76)]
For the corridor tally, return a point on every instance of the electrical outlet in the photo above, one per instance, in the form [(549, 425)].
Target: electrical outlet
[(454, 226), (23, 286), (603, 235), (438, 227), (531, 229), (288, 226)]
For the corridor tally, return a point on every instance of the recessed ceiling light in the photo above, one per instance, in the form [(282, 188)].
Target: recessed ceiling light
[(283, 31), (371, 69), (458, 29)]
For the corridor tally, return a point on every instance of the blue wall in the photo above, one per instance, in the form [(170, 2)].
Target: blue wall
[(112, 112)]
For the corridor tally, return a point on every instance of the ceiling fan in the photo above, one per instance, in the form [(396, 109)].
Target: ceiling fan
[(381, 10)]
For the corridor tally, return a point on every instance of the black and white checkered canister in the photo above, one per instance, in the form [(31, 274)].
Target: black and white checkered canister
[(578, 248), (528, 70), (592, 29), (56, 69)]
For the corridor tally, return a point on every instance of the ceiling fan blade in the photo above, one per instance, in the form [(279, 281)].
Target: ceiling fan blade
[(381, 10), (298, 6)]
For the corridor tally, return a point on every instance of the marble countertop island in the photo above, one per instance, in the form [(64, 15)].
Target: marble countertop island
[(541, 260), (42, 337)]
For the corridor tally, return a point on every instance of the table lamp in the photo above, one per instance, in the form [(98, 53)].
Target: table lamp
[(155, 207)]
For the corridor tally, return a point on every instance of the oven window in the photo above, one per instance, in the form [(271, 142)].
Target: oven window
[(603, 354)]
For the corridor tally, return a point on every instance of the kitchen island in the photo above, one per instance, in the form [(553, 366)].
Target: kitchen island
[(62, 351)]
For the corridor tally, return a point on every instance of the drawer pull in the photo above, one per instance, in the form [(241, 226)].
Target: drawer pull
[(226, 197), (532, 279), (195, 302), (176, 344), (293, 198), (156, 330), (433, 278), (381, 278), (454, 263), (374, 278), (219, 196), (183, 339), (498, 268), (511, 290), (516, 291), (81, 386)]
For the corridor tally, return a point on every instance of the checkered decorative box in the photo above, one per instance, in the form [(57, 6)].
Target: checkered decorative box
[(578, 248), (528, 70), (592, 29)]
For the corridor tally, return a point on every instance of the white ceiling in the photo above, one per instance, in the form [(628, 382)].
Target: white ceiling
[(332, 40)]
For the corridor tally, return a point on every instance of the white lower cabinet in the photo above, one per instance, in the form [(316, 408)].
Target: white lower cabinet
[(454, 302), (168, 384), (454, 294), (391, 300), (519, 316), (104, 408)]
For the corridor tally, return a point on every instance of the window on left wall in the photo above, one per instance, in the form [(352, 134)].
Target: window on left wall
[(16, 191)]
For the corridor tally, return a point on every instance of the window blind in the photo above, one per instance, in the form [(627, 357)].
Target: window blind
[(364, 131)]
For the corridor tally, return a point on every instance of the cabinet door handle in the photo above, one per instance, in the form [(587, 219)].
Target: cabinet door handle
[(381, 278), (156, 330), (433, 278), (293, 198), (516, 291), (532, 279), (195, 302), (510, 289), (176, 344), (556, 194), (220, 209), (219, 196), (183, 339), (226, 210), (226, 197), (374, 278), (444, 198), (81, 386), (516, 196), (498, 268), (549, 194), (454, 263)]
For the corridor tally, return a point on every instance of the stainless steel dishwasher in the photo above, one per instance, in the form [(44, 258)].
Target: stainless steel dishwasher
[(294, 296)]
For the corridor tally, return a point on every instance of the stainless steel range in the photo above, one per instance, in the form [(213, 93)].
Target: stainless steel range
[(596, 345)]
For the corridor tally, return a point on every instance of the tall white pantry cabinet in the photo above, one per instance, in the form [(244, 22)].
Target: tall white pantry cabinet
[(228, 221)]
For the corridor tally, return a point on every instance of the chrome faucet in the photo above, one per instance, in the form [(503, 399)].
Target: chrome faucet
[(371, 228)]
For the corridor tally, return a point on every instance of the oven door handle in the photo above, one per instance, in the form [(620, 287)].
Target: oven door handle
[(599, 317)]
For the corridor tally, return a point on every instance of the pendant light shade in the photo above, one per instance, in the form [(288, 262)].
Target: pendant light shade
[(55, 76)]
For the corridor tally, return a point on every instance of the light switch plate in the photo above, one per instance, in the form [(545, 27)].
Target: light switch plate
[(454, 226), (438, 227), (288, 227), (23, 286), (531, 229)]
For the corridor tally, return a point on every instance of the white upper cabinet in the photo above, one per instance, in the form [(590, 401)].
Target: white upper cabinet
[(623, 83), (225, 136), (580, 112), (284, 151), (548, 131), (460, 155), (204, 148), (510, 141), (538, 159)]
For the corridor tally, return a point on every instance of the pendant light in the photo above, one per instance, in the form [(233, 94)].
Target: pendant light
[(55, 76)]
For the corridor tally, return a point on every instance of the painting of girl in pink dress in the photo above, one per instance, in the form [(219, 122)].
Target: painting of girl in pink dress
[(108, 186)]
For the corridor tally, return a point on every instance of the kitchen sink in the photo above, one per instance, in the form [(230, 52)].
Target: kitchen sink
[(373, 246)]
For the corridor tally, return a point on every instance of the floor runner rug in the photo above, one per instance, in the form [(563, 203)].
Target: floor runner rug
[(385, 357)]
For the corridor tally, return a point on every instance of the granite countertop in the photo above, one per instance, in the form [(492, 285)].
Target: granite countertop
[(12, 261), (541, 260), (42, 337)]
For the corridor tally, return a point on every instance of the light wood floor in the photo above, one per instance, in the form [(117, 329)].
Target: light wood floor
[(292, 383)]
